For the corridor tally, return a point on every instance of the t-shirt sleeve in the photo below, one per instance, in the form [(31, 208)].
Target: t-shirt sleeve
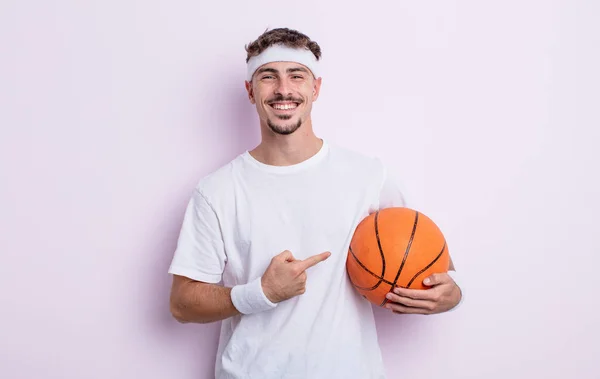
[(200, 252), (392, 193)]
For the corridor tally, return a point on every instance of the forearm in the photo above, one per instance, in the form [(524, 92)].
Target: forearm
[(199, 302)]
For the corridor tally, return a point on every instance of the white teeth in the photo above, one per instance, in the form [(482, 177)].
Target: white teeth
[(284, 106)]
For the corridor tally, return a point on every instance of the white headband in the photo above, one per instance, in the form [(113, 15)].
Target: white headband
[(281, 53)]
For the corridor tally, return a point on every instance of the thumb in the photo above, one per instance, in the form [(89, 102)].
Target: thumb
[(433, 279)]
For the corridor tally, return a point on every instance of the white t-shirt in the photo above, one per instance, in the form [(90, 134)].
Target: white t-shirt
[(246, 212)]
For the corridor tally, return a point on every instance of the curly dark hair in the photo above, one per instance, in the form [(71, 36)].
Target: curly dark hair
[(284, 36)]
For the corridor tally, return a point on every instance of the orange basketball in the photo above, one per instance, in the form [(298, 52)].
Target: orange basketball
[(395, 247)]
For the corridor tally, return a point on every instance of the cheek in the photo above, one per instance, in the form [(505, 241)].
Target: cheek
[(260, 91), (309, 91), (259, 99), (310, 94)]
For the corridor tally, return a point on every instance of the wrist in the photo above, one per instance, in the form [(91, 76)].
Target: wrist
[(267, 291), (458, 281), (250, 298)]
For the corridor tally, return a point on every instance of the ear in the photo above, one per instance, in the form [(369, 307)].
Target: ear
[(250, 91), (317, 88)]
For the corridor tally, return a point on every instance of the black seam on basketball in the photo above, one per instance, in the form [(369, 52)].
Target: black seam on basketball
[(392, 285), (379, 244), (412, 236), (429, 265), (369, 271), (350, 278), (366, 269)]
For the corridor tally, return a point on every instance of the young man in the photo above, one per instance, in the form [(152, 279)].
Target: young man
[(274, 225)]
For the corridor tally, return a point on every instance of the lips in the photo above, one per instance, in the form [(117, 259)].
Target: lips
[(284, 106)]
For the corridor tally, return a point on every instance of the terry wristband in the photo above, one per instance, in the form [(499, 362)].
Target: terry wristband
[(457, 280), (249, 298)]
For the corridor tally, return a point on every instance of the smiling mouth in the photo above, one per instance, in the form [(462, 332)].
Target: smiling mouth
[(287, 106)]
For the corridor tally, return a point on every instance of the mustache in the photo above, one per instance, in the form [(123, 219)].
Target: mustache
[(281, 98)]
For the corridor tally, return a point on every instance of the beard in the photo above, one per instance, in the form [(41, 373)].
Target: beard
[(284, 129), (281, 128)]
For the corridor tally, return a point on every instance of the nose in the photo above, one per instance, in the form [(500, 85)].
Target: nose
[(283, 88)]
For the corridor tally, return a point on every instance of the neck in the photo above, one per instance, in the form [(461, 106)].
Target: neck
[(284, 150)]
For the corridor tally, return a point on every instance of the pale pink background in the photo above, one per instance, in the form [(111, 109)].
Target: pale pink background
[(110, 111)]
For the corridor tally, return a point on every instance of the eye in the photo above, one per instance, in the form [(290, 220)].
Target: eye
[(268, 77)]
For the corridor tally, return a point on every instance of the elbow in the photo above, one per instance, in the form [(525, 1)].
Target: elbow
[(178, 313)]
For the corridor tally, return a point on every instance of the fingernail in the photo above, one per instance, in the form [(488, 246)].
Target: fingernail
[(389, 296), (427, 281)]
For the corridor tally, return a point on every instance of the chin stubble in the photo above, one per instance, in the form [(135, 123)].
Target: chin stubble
[(284, 129)]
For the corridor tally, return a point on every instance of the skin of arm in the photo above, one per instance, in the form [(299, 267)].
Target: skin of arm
[(199, 302), (192, 301)]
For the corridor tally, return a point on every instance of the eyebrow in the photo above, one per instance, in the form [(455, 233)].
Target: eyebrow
[(274, 71), (294, 69)]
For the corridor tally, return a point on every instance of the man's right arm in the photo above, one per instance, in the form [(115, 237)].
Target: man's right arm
[(199, 302)]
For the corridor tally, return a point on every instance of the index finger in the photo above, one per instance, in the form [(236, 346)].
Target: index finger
[(311, 261), (417, 294)]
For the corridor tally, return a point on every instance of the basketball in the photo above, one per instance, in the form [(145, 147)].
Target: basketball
[(395, 247)]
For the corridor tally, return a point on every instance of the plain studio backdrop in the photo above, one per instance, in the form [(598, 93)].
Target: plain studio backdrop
[(111, 111)]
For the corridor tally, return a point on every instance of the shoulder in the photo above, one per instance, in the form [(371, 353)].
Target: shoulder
[(216, 183)]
